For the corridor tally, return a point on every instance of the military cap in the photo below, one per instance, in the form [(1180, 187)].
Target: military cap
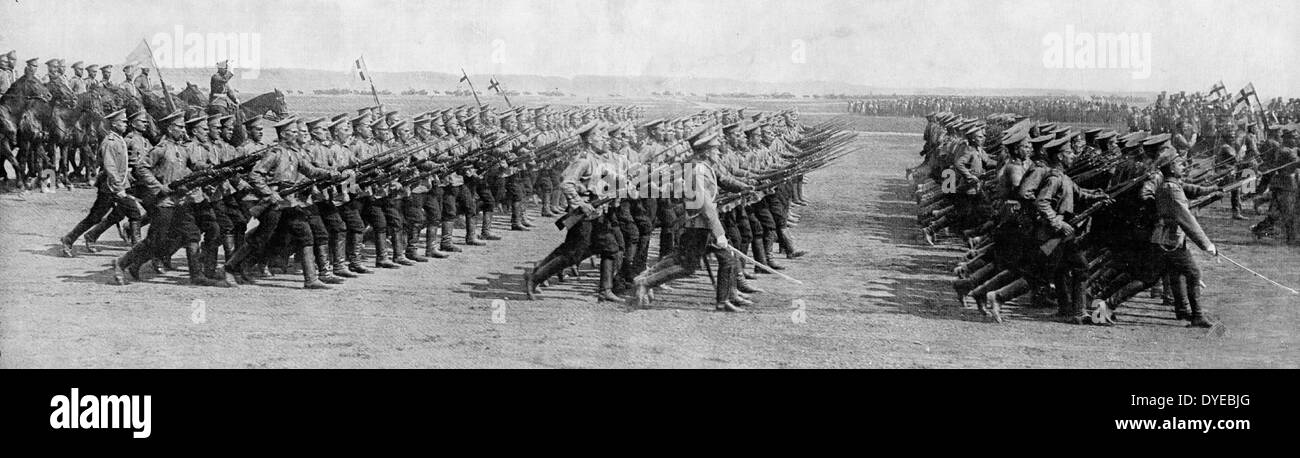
[(731, 127), (1041, 140), (1291, 130), (398, 124), (106, 67), (119, 114), (703, 137), (128, 67), (286, 123), (177, 116), (381, 123), (358, 120), (139, 115), (252, 122), (506, 115), (11, 55), (312, 123), (223, 64), (1156, 140), (587, 129), (33, 62), (215, 118), (1064, 132), (341, 117), (752, 127), (1106, 135), (1091, 134), (92, 68), (195, 120), (1014, 137), (972, 127), (1165, 158), (78, 64), (54, 62), (1056, 144), (1047, 127)]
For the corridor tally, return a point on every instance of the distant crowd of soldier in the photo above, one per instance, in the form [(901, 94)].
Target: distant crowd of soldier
[(1096, 109), (1088, 218)]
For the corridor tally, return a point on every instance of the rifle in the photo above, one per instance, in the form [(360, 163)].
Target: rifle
[(218, 173), (576, 215), (1218, 194), (1078, 219)]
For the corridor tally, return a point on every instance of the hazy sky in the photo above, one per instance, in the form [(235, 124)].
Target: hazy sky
[(961, 44)]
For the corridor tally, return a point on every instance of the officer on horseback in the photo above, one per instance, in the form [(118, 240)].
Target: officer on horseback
[(222, 97)]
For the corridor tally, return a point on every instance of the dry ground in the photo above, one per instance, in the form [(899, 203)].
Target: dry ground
[(873, 297)]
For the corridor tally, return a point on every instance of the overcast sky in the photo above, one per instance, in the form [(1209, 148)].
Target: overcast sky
[(915, 44)]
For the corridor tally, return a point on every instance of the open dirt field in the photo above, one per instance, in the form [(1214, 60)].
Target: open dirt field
[(873, 297)]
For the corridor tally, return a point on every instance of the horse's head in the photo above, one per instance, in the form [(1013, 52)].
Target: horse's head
[(278, 105)]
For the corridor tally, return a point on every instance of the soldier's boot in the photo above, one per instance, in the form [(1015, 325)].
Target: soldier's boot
[(538, 275), (486, 233), (398, 239), (339, 256), (216, 275), (756, 248), (743, 285), (516, 220), (667, 243), (523, 215), (325, 270), (381, 253), (66, 248), (194, 256), (608, 269), (431, 242), (546, 210), (445, 240), (229, 246), (91, 237), (469, 232), (1194, 301), (766, 248), (355, 260), (413, 252), (787, 245), (310, 280)]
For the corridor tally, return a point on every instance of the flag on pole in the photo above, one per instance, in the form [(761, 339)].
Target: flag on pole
[(361, 69), (464, 79), (1219, 90), (141, 57)]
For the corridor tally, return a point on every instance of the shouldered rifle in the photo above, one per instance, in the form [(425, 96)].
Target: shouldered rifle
[(1079, 218), (221, 172)]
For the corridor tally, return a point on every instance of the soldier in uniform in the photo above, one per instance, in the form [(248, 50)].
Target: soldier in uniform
[(586, 181), (7, 77), (222, 95), (172, 221), (128, 85), (1055, 203), (1168, 244), (90, 81), (703, 233), (78, 80), (283, 167), (114, 180), (137, 149), (106, 73)]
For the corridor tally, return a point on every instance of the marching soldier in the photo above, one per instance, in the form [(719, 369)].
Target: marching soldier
[(172, 223), (137, 150), (114, 180), (703, 233), (1055, 203), (283, 167)]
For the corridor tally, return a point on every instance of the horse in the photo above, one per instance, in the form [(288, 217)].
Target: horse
[(270, 104), (22, 129)]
